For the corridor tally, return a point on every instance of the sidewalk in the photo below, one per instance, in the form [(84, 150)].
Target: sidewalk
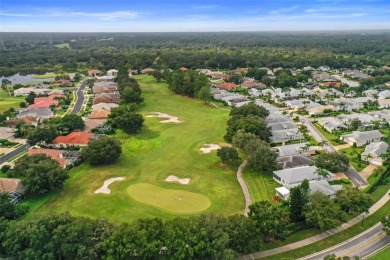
[(321, 236), (248, 200)]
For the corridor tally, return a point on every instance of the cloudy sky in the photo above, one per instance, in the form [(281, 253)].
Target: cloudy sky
[(191, 16)]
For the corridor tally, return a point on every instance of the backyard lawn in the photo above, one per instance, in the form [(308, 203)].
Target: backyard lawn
[(330, 137), (7, 101), (261, 185), (352, 153), (148, 158)]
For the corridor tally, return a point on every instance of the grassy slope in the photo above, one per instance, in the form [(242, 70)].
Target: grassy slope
[(150, 156), (382, 255), (259, 185), (6, 101)]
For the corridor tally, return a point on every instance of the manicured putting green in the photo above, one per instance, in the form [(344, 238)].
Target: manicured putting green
[(176, 201)]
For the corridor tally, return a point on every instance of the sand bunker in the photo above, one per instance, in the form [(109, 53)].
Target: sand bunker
[(167, 118), (172, 178), (209, 148), (104, 189)]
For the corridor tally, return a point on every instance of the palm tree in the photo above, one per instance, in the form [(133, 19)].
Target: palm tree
[(306, 147), (322, 144), (321, 171)]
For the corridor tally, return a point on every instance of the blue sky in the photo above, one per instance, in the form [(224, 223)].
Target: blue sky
[(192, 16)]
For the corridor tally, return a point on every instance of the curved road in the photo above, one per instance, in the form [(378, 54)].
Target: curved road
[(248, 200), (14, 153), (362, 245), (351, 173), (80, 98)]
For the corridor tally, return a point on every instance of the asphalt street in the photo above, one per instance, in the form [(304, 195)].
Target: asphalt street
[(80, 98), (14, 153), (351, 173), (361, 245)]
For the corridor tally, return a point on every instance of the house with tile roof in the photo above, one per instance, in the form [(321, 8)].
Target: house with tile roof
[(331, 124), (147, 70), (292, 177), (99, 114), (373, 151), (105, 106), (41, 102), (226, 86), (39, 112), (362, 138), (12, 186), (94, 73), (73, 139), (106, 98), (63, 157)]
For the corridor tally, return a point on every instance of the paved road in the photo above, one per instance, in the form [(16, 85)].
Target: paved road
[(80, 98), (310, 240), (351, 173), (14, 153), (361, 245), (248, 200)]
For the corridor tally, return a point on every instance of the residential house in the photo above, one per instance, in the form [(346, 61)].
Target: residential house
[(63, 157), (294, 160), (42, 102), (94, 73), (331, 124), (99, 114), (253, 92), (106, 98), (321, 186), (29, 120), (324, 68), (308, 68), (219, 75), (294, 176), (104, 87), (294, 149), (273, 110), (252, 84), (355, 74), (370, 92), (362, 138), (311, 85), (42, 89), (226, 86), (332, 84), (105, 106), (282, 136), (365, 119), (63, 83), (383, 115), (320, 109), (147, 70), (300, 103), (132, 72), (40, 113), (384, 94), (112, 72), (373, 151), (12, 186), (73, 139)]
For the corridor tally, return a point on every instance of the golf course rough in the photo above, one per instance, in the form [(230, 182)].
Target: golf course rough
[(175, 201)]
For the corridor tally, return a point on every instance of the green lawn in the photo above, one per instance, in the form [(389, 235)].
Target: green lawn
[(335, 239), (176, 201), (158, 151), (7, 101), (261, 185), (352, 154), (330, 137), (382, 255), (45, 76)]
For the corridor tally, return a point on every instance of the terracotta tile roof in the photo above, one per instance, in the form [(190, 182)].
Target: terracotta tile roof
[(183, 69), (99, 114), (27, 119), (218, 75), (93, 71), (146, 70), (74, 138), (8, 184), (227, 86), (333, 84), (53, 153), (45, 101)]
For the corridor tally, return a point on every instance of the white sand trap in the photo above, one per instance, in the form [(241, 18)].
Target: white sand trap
[(172, 178), (168, 118), (209, 148), (104, 189)]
